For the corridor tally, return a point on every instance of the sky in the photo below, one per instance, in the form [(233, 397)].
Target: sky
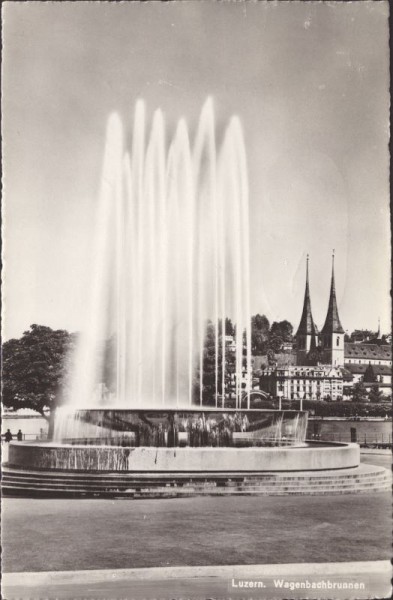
[(309, 83)]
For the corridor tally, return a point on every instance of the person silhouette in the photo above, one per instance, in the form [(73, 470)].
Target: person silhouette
[(8, 436)]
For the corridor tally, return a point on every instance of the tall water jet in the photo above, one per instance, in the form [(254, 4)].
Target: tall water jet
[(153, 382), (170, 265)]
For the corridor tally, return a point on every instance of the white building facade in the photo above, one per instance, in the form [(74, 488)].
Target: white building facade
[(303, 382)]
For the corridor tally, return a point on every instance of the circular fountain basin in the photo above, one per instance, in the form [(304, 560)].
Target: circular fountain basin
[(314, 456), (182, 441)]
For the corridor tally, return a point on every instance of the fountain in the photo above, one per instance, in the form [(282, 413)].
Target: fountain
[(156, 389), (171, 260)]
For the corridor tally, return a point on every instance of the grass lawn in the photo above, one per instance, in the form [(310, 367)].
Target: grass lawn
[(50, 535)]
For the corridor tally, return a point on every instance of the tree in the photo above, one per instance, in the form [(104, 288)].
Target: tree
[(361, 335), (280, 332), (229, 328), (209, 377), (359, 392), (271, 359), (209, 365), (369, 375), (35, 369), (259, 334), (375, 395)]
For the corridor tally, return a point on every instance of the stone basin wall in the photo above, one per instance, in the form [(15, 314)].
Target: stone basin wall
[(148, 459)]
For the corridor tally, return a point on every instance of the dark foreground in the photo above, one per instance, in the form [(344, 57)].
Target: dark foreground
[(61, 535)]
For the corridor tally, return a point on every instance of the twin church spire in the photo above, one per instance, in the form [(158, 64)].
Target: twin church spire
[(331, 339)]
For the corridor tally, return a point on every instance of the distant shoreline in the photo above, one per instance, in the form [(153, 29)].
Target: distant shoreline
[(8, 416)]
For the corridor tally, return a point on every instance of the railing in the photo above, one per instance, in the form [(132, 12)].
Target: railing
[(372, 440), (28, 437)]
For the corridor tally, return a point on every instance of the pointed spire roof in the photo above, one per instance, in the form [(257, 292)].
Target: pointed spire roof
[(307, 325), (332, 322), (379, 329)]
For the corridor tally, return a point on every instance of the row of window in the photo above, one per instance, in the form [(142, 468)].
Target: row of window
[(310, 388), (304, 375), (369, 362)]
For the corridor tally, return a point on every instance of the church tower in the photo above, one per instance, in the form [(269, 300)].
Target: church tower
[(307, 333), (332, 334)]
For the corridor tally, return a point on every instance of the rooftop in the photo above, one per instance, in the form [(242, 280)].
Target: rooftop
[(367, 351), (306, 371), (357, 369)]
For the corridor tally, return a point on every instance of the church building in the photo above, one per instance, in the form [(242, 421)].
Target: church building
[(326, 348), (319, 374), (327, 366)]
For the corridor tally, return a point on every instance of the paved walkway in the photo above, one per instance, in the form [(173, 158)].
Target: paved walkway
[(345, 580)]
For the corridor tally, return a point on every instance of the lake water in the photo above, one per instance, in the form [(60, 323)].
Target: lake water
[(340, 431)]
